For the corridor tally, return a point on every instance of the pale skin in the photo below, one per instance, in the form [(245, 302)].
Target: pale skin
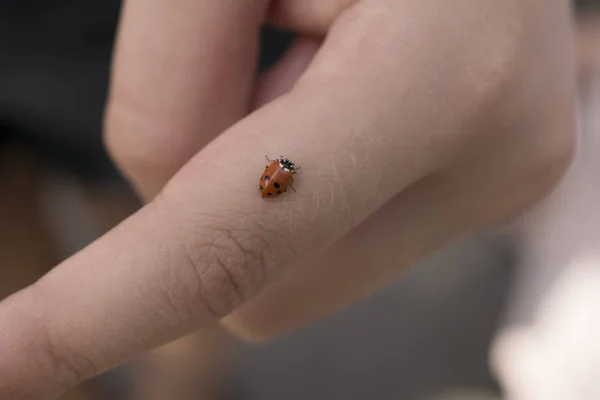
[(415, 123)]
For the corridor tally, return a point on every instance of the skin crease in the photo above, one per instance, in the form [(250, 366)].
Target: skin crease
[(415, 123)]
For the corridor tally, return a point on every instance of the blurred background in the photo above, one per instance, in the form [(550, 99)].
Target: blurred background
[(424, 338)]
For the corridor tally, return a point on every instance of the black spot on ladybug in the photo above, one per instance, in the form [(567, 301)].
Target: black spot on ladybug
[(269, 194), (267, 167), (267, 177), (276, 185), (279, 192)]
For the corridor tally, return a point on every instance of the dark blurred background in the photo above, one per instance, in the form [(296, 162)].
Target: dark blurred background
[(420, 338)]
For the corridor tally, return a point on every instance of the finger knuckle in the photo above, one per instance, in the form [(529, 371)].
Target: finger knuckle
[(218, 265), (69, 365), (139, 142), (43, 354), (228, 265), (31, 355), (489, 81), (549, 162)]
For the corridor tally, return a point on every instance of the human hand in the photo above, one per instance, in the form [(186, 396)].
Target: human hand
[(546, 345), (416, 123)]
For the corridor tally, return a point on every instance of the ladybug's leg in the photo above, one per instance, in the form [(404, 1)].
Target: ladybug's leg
[(267, 157), (293, 188)]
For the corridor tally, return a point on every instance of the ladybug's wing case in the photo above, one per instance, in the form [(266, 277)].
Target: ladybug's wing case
[(280, 182), (269, 173), (275, 180), (285, 179), (266, 178)]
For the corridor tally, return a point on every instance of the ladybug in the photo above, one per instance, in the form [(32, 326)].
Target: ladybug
[(277, 177)]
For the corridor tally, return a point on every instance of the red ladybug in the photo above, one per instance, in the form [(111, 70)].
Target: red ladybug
[(277, 177)]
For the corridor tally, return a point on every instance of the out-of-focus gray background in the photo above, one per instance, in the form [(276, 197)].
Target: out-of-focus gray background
[(426, 334)]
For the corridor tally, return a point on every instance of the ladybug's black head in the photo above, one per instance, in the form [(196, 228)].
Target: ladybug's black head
[(287, 164)]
